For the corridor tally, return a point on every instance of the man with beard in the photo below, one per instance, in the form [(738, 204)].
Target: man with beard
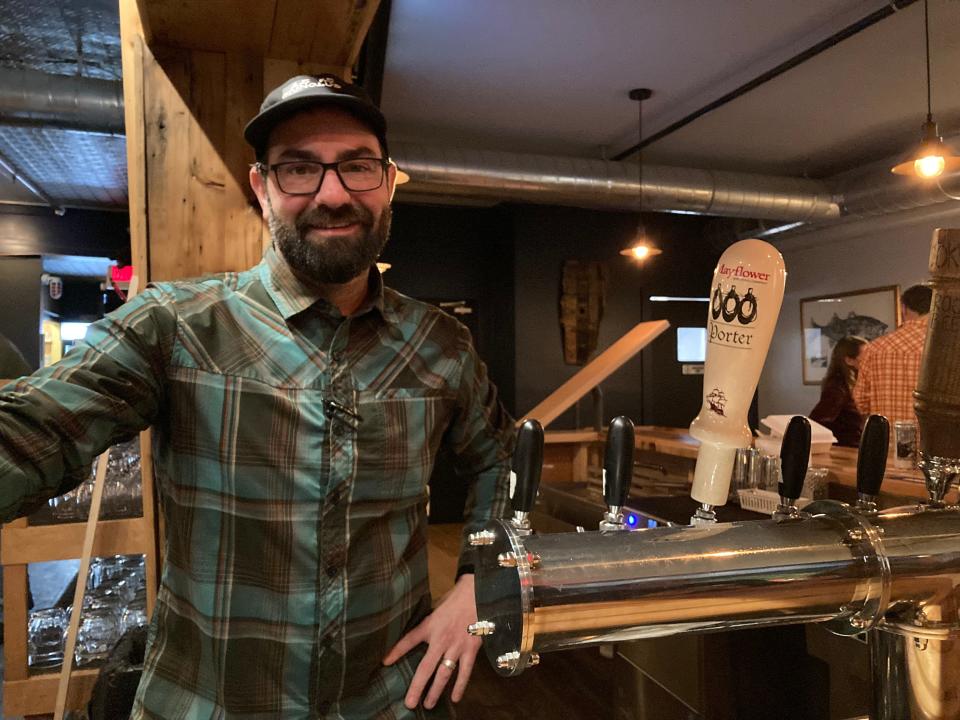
[(297, 410)]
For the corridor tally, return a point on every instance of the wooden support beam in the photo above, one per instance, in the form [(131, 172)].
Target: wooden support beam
[(596, 371), (131, 51)]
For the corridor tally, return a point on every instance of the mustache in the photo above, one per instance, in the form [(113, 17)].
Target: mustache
[(323, 216)]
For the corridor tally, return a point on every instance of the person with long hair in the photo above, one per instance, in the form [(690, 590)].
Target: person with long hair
[(836, 410)]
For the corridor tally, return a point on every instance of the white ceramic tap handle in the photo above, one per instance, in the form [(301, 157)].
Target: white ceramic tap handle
[(745, 298)]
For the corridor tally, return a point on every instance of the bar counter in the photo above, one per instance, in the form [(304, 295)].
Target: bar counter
[(570, 454)]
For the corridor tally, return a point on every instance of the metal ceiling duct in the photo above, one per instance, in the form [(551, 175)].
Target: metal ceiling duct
[(445, 173), (589, 183), (31, 97)]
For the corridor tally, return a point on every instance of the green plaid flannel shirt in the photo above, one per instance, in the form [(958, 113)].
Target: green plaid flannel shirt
[(292, 449)]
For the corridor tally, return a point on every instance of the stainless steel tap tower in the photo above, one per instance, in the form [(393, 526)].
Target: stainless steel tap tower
[(894, 574)]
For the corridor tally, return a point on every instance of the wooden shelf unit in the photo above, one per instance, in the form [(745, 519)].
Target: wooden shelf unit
[(34, 693)]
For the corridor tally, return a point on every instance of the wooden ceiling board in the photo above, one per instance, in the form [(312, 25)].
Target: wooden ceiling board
[(326, 33), (211, 25), (295, 24), (340, 32)]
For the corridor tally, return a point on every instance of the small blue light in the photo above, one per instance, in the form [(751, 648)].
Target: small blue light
[(651, 523), (632, 520)]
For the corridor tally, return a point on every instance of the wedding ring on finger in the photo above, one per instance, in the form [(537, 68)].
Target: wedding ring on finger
[(449, 664)]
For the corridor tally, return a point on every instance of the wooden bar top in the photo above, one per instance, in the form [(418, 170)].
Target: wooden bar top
[(840, 462)]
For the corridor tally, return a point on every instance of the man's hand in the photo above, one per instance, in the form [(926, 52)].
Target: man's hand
[(445, 632)]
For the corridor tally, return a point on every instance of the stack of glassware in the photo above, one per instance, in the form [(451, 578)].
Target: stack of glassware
[(122, 494), (114, 602)]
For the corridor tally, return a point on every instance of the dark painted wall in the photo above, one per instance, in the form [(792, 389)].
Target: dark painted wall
[(27, 230), (545, 238), (20, 318), (509, 260), (455, 253)]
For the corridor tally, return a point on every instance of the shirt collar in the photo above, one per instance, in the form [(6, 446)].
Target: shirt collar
[(293, 296)]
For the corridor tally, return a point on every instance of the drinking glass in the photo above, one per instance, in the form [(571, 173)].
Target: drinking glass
[(135, 613), (905, 444), (45, 636), (744, 470), (815, 484), (769, 473), (99, 630)]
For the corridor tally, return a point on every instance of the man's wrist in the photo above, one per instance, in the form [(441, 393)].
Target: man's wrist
[(465, 569)]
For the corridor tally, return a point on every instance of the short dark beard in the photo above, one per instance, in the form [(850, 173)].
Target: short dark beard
[(336, 260)]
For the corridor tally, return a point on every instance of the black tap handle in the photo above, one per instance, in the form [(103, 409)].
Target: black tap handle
[(794, 457), (872, 460), (527, 463), (618, 461)]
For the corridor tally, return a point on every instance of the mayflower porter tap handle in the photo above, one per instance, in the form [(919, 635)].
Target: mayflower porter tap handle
[(527, 464), (746, 294), (618, 462), (872, 460), (794, 457)]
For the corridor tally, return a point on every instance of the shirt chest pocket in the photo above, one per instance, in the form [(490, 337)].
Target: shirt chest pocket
[(397, 441)]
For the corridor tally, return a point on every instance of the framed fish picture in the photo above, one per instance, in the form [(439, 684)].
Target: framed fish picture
[(825, 320)]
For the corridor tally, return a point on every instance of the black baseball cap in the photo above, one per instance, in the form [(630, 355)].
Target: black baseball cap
[(306, 91)]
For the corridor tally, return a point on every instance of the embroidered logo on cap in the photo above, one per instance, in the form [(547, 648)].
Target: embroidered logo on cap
[(307, 83)]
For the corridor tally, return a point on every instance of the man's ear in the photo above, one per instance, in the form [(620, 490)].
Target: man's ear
[(258, 183)]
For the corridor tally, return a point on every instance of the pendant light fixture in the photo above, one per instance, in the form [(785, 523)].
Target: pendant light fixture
[(932, 158), (640, 247)]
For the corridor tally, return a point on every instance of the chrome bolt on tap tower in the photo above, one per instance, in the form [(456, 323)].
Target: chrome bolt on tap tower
[(894, 573)]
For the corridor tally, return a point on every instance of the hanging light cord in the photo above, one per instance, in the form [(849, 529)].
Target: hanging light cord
[(926, 33), (640, 155)]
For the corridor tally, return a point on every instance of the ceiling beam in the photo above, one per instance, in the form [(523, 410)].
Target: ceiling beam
[(328, 33)]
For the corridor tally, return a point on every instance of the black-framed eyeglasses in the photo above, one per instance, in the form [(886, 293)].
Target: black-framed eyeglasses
[(304, 177)]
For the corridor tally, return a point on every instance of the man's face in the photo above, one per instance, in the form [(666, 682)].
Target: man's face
[(335, 234)]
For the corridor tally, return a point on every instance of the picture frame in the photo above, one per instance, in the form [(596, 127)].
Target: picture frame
[(826, 319)]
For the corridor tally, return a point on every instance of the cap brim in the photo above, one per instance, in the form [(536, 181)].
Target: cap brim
[(257, 131)]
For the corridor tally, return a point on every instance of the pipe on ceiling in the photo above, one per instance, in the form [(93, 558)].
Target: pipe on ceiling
[(32, 97), (580, 182), (813, 235)]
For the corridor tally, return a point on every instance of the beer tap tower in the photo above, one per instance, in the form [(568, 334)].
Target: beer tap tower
[(894, 574)]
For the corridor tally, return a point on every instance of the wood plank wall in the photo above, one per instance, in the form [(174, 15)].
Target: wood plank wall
[(201, 216)]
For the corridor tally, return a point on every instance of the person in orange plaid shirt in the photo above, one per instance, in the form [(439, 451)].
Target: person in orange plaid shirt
[(890, 365)]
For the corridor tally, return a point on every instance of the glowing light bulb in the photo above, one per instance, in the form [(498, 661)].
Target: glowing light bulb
[(929, 166), (640, 252)]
